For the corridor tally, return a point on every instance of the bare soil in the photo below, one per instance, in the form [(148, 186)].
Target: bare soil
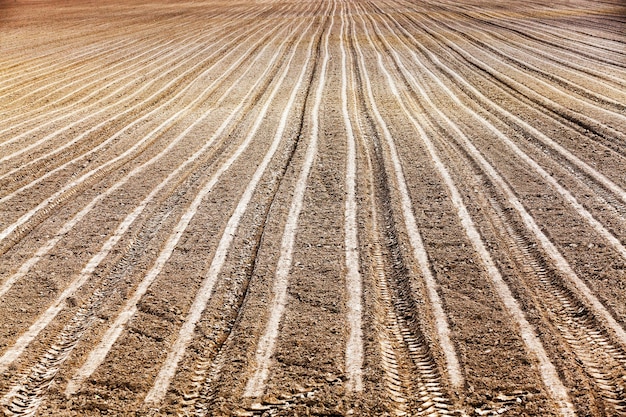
[(183, 186)]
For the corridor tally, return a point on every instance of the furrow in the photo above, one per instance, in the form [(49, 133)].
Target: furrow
[(580, 166), (164, 378), (60, 60), (93, 64), (24, 340), (396, 382), (420, 390), (192, 36), (562, 43), (577, 327), (419, 251), (586, 44), (211, 89), (31, 113), (29, 392), (31, 79), (602, 360), (481, 15), (256, 384), (98, 354), (549, 374), (557, 258), (92, 51), (61, 154), (346, 207), (616, 84), (30, 94), (354, 348), (14, 232), (523, 93), (125, 99), (526, 67), (199, 396), (559, 112), (570, 56)]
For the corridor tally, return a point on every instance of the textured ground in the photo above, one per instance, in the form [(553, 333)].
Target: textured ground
[(368, 208)]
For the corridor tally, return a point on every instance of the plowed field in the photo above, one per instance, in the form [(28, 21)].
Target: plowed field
[(294, 208)]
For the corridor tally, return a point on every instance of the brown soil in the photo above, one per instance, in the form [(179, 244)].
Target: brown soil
[(152, 194)]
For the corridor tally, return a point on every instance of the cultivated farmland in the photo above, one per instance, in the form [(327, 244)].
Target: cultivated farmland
[(366, 208)]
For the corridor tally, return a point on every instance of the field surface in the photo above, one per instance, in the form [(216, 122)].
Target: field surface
[(324, 208)]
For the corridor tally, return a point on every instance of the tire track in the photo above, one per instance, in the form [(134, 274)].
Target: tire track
[(198, 398), (58, 154), (396, 380), (548, 246), (120, 103), (583, 168), (29, 392), (413, 380), (553, 384), (94, 42), (603, 360), (180, 40), (24, 398), (579, 327), (526, 67), (42, 251), (399, 85), (419, 251), (582, 211), (522, 93)]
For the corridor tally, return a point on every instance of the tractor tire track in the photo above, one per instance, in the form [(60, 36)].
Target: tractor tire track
[(531, 225), (549, 374), (418, 388), (610, 191), (256, 384), (79, 216), (579, 326), (190, 55)]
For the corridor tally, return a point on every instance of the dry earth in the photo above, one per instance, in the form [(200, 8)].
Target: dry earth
[(367, 208)]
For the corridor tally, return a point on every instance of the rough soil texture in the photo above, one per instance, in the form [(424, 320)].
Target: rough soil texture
[(312, 208)]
